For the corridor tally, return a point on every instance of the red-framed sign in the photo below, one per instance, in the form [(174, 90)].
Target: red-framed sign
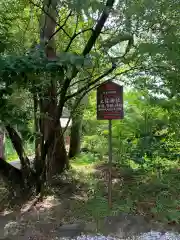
[(110, 101)]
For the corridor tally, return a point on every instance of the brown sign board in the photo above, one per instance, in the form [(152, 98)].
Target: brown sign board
[(110, 101)]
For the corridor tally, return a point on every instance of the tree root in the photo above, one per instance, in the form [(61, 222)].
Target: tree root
[(29, 206)]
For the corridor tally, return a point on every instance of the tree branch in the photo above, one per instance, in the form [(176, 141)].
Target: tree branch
[(43, 10), (96, 32), (67, 48), (110, 42), (75, 35), (97, 85), (87, 49), (18, 146), (98, 27), (61, 27), (91, 83), (85, 79), (87, 91)]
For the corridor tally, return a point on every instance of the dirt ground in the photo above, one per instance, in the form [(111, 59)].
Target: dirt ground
[(58, 216), (52, 220)]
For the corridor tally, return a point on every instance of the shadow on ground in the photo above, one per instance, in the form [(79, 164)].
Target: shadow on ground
[(78, 203)]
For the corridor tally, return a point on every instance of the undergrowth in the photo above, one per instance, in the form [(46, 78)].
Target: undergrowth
[(152, 194), (135, 190), (11, 154)]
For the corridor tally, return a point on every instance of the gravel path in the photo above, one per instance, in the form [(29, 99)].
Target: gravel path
[(152, 235)]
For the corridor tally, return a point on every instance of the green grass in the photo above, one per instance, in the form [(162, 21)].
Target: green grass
[(9, 151), (11, 154), (85, 159), (136, 191)]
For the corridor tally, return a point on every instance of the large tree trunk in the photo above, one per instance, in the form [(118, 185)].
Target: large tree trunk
[(57, 154), (56, 157)]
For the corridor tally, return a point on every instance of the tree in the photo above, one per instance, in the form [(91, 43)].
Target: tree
[(51, 96), (80, 59)]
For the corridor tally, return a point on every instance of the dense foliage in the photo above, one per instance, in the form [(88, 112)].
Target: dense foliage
[(146, 136)]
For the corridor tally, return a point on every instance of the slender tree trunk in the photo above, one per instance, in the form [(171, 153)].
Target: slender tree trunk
[(76, 128), (23, 179), (27, 172), (18, 146), (75, 136)]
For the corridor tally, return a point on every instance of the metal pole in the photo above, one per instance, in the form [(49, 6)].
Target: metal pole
[(110, 166)]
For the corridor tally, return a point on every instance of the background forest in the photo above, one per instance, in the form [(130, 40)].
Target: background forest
[(53, 56)]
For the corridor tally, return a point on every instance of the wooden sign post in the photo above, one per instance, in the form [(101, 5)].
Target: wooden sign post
[(109, 107)]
